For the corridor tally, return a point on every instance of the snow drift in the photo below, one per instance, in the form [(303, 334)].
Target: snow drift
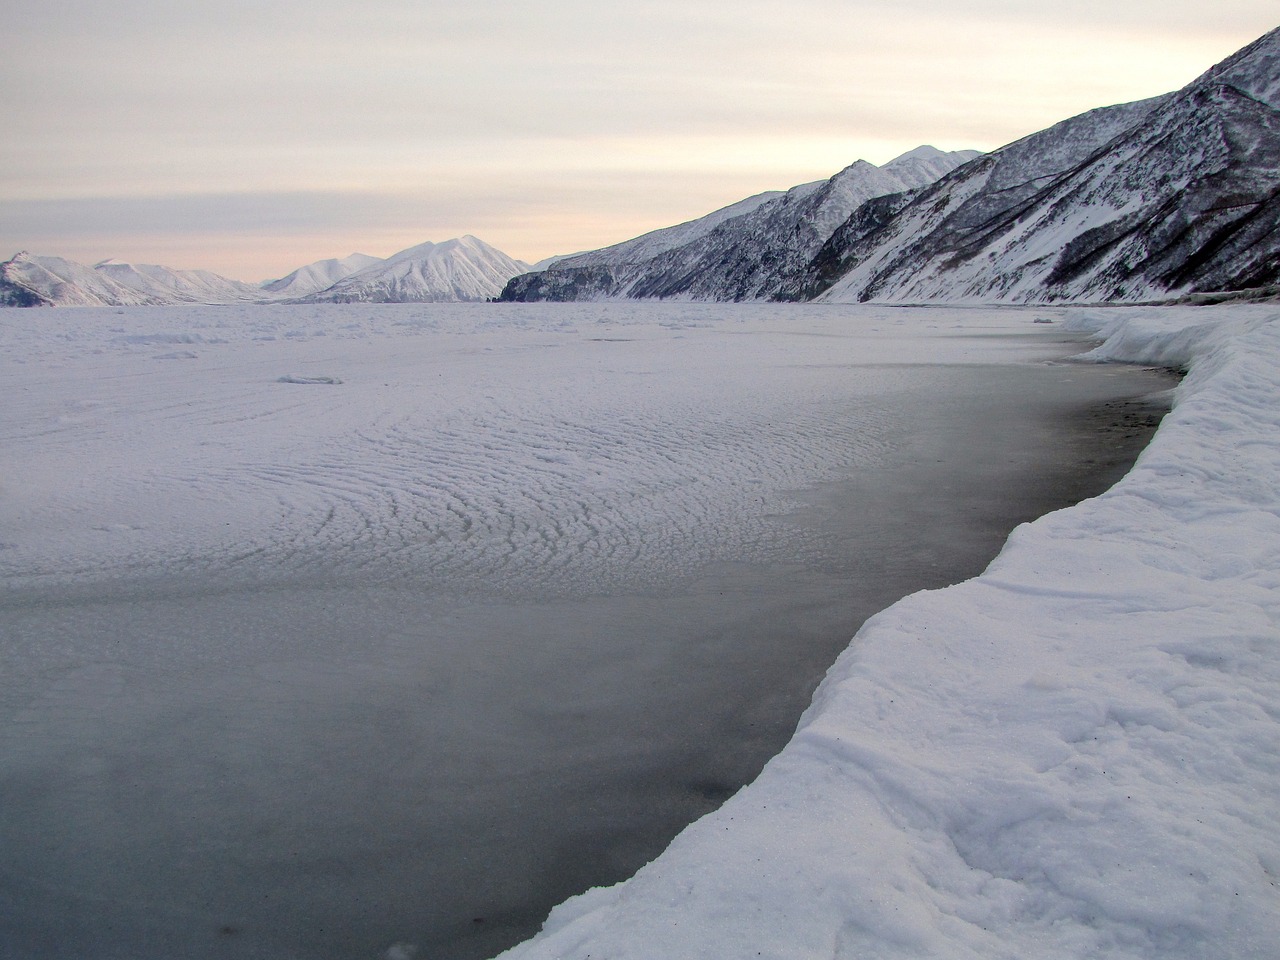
[(1072, 755)]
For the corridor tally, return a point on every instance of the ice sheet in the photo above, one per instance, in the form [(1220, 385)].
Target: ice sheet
[(311, 601)]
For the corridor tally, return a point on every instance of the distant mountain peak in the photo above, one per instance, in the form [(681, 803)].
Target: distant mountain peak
[(922, 152), (464, 268), (459, 269), (319, 275), (53, 281)]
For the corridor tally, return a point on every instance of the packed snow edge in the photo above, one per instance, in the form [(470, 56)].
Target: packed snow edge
[(1069, 756)]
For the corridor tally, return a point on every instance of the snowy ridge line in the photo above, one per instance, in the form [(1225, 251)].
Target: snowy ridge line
[(1072, 755), (458, 270)]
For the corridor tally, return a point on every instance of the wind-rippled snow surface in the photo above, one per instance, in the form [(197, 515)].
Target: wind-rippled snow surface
[(508, 448)]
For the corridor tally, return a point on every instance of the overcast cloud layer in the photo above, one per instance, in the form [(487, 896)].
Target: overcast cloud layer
[(250, 139)]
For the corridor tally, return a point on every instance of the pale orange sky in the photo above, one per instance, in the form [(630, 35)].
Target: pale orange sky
[(250, 141)]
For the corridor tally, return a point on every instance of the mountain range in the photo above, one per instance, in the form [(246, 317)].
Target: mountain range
[(1163, 198), (1169, 197), (1173, 197), (462, 269), (28, 281), (739, 252)]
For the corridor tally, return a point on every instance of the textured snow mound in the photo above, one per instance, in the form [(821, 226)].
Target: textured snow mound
[(1071, 756)]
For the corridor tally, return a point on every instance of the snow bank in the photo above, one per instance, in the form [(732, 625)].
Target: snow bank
[(1076, 754)]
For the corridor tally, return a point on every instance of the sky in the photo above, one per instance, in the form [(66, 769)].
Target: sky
[(250, 138)]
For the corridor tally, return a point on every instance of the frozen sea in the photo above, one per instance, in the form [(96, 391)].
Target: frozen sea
[(377, 631)]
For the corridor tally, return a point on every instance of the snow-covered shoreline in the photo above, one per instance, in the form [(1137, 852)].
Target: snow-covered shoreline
[(1072, 755)]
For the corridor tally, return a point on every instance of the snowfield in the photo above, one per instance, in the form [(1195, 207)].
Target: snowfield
[(1074, 755)]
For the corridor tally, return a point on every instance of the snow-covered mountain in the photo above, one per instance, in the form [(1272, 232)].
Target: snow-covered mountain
[(464, 268), (743, 252), (177, 286), (657, 242), (29, 281), (1165, 197), (460, 269), (320, 275)]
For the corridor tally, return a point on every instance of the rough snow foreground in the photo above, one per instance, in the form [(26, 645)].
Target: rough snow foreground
[(1076, 754)]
